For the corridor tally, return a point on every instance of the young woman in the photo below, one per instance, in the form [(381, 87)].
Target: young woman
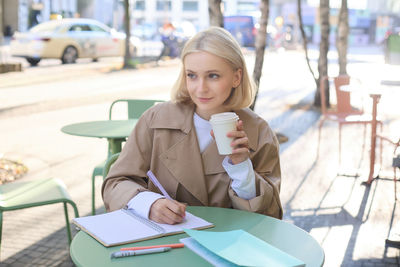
[(174, 140)]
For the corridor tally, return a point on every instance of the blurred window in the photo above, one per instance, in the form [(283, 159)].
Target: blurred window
[(97, 28), (244, 6), (190, 6), (140, 5), (80, 28), (163, 5)]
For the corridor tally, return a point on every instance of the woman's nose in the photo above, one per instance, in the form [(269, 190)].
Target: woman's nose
[(201, 85)]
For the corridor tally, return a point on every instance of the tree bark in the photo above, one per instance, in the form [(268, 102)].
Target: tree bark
[(342, 37), (305, 41), (260, 46), (1, 23), (323, 51), (1, 37), (215, 13), (82, 6), (128, 62)]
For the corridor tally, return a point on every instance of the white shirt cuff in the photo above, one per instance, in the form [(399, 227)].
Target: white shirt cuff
[(243, 178), (142, 202)]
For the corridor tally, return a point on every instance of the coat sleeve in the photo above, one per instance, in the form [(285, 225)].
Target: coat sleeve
[(267, 171), (127, 176)]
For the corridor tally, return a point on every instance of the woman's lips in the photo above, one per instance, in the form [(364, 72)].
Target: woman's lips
[(204, 99)]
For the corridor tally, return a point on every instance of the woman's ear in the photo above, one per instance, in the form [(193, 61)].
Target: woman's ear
[(237, 78)]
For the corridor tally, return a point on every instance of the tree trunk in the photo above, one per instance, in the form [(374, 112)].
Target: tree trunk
[(83, 6), (4, 57), (128, 62), (1, 23), (342, 37), (304, 37), (323, 51), (260, 46), (1, 37), (215, 13)]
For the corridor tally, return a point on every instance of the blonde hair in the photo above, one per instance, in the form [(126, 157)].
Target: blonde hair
[(219, 42)]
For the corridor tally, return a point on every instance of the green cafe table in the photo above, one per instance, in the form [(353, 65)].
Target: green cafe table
[(116, 131), (86, 251)]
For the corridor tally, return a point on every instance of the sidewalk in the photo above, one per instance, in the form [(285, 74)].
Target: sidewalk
[(350, 220)]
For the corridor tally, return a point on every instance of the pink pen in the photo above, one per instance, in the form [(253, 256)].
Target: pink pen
[(157, 183)]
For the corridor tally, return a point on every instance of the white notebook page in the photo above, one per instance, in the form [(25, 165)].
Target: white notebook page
[(190, 222), (115, 227)]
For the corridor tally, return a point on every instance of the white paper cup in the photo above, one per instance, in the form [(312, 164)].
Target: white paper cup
[(222, 123)]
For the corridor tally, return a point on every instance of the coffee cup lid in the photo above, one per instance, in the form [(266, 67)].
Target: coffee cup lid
[(224, 116)]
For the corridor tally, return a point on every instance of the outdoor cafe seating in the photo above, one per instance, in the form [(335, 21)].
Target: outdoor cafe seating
[(135, 108), (343, 113), (29, 194), (396, 158)]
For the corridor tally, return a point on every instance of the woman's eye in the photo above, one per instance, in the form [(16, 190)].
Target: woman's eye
[(213, 76), (191, 75)]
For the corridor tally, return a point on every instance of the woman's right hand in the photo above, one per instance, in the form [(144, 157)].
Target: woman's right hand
[(167, 211)]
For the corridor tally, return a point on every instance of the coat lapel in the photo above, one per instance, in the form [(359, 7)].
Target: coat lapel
[(185, 152), (212, 160)]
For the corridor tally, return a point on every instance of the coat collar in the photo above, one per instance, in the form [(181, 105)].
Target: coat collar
[(180, 117), (173, 116)]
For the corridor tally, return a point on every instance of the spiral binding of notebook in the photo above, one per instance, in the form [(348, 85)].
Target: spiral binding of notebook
[(145, 221)]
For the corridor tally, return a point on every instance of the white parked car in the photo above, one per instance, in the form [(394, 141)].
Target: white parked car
[(69, 39)]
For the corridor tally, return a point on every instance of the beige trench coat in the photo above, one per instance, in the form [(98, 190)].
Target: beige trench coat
[(164, 140)]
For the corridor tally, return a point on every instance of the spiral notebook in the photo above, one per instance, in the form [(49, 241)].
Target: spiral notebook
[(125, 226)]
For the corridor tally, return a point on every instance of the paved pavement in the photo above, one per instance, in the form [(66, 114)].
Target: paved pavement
[(350, 220)]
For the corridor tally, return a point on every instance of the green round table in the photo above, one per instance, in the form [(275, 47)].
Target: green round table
[(116, 131), (86, 251)]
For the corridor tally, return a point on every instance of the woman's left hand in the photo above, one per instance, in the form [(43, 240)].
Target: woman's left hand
[(240, 144)]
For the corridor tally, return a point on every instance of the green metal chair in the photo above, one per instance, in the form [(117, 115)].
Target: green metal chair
[(136, 107), (22, 195), (109, 162)]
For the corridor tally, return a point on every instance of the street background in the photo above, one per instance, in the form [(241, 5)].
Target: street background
[(350, 220)]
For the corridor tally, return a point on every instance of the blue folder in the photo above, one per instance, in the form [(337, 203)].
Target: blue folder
[(237, 248)]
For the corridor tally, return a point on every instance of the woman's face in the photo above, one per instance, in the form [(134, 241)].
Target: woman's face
[(209, 80)]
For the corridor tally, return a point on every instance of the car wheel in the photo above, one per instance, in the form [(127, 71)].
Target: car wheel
[(70, 55), (33, 61)]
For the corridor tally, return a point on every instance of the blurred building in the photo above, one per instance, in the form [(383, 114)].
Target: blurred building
[(159, 12), (369, 20), (20, 15), (194, 11), (155, 12), (386, 15)]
